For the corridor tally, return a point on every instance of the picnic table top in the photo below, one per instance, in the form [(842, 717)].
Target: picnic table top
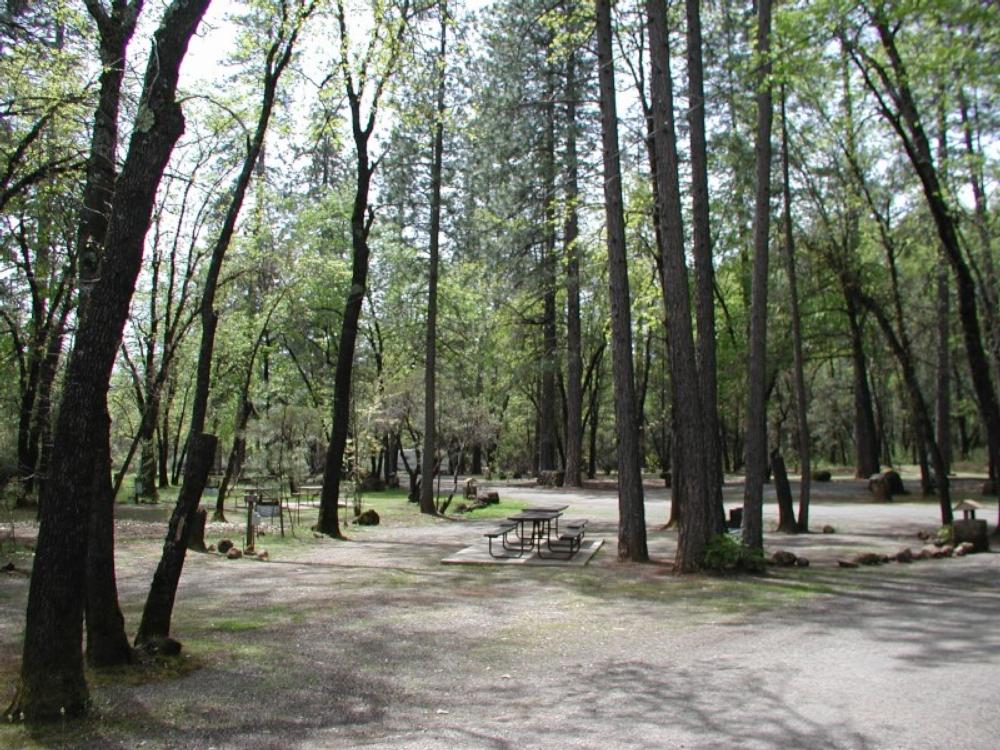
[(535, 515), (546, 508)]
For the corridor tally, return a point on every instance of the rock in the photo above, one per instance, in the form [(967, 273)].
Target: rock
[(905, 555), (801, 562), (822, 476), (372, 483), (492, 498), (828, 529), (262, 555), (886, 484), (965, 548), (870, 558), (162, 645), (368, 518), (847, 564), (974, 531), (225, 545), (735, 518), (783, 558), (946, 551), (234, 553), (929, 551)]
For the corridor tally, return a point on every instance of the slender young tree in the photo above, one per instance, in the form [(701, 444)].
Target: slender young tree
[(804, 441), (890, 83), (571, 239), (756, 432), (631, 513), (427, 504), (363, 88), (157, 613)]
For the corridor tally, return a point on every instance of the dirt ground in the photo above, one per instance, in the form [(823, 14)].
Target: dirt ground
[(373, 643)]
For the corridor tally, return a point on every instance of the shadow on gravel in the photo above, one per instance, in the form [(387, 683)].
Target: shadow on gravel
[(943, 611)]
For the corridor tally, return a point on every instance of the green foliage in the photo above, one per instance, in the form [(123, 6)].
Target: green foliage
[(726, 552)]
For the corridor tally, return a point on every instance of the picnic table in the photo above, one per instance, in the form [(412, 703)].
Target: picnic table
[(545, 538)]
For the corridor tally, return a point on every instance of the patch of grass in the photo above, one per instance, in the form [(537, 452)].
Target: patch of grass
[(147, 669), (237, 626), (500, 510)]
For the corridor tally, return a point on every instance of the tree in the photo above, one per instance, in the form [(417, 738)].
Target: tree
[(427, 504), (804, 441), (693, 477), (156, 615), (756, 441), (364, 85), (52, 682), (889, 81), (631, 514)]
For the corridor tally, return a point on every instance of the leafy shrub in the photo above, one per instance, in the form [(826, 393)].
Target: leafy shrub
[(726, 552)]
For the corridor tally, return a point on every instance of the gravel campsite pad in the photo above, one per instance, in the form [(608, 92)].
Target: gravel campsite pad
[(373, 643)]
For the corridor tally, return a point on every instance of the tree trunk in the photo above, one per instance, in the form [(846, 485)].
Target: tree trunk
[(631, 520), (107, 644), (693, 482), (361, 221), (201, 446), (574, 347), (703, 267), (866, 451), (943, 401), (427, 504), (907, 123), (756, 440), (786, 508), (52, 683), (159, 607), (803, 439)]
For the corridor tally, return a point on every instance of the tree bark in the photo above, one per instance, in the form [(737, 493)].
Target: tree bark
[(574, 347), (756, 440), (703, 267), (631, 520), (904, 117), (803, 441), (159, 607), (52, 683), (782, 489), (427, 504), (693, 479), (361, 222), (201, 446), (107, 643)]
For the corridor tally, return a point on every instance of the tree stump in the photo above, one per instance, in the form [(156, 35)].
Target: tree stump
[(973, 531), (197, 540), (886, 484)]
